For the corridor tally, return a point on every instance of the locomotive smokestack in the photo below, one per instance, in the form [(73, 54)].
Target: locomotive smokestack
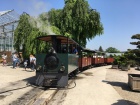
[(52, 51)]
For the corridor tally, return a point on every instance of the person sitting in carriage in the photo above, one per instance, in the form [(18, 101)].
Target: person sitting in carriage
[(74, 50)]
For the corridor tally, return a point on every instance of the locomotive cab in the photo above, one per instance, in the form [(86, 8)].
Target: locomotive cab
[(54, 67)]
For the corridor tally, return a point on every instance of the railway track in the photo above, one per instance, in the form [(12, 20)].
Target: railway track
[(35, 96), (48, 94), (20, 93), (29, 97)]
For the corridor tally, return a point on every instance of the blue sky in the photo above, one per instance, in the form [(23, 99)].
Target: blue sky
[(120, 18)]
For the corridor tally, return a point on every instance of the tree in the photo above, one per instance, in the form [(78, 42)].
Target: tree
[(25, 37), (137, 36), (136, 51), (112, 50), (21, 33), (77, 19), (100, 49), (128, 58), (44, 25)]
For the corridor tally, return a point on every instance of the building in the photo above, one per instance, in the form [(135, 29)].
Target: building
[(8, 23)]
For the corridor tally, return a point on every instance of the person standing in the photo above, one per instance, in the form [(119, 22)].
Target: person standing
[(4, 57), (32, 62), (25, 64), (18, 60), (14, 58)]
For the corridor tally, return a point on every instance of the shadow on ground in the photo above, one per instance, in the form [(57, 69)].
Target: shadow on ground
[(125, 102), (87, 73), (123, 85)]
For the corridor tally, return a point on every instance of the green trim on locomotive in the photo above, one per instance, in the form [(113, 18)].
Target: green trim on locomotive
[(69, 61)]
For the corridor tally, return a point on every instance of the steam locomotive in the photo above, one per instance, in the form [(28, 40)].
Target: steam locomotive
[(54, 68)]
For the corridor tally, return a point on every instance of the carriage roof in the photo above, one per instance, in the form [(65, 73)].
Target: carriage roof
[(64, 39), (88, 50)]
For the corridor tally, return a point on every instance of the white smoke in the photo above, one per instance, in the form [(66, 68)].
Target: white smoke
[(49, 30), (34, 8), (43, 26)]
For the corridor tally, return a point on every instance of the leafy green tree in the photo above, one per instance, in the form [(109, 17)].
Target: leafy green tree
[(136, 51), (128, 58), (77, 19), (131, 57), (21, 33), (116, 60), (137, 36), (25, 37), (100, 49), (44, 25), (112, 50), (54, 19), (31, 42)]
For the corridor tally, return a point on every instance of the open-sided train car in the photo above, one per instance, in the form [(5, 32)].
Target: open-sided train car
[(85, 58), (109, 60), (53, 68), (100, 58)]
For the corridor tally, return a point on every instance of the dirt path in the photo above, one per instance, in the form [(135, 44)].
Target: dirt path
[(92, 88)]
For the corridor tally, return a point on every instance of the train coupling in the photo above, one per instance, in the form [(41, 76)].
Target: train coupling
[(50, 82)]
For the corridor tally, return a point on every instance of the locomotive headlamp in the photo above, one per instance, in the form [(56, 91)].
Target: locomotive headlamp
[(62, 68)]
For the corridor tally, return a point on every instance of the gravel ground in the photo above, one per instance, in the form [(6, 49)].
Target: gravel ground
[(12, 82), (119, 80), (115, 77)]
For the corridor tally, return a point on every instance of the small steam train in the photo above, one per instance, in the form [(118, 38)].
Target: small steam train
[(54, 68)]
